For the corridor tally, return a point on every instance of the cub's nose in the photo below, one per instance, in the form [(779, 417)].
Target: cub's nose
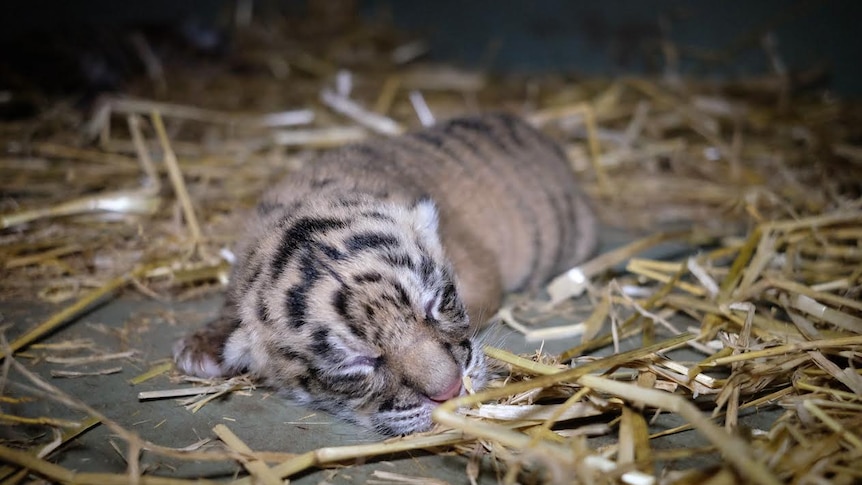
[(453, 390)]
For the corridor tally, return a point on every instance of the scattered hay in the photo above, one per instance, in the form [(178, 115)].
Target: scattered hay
[(763, 182)]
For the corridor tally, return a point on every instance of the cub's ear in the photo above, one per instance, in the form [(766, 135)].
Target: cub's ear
[(426, 218)]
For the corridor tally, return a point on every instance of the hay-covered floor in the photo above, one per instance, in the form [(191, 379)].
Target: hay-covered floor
[(717, 336)]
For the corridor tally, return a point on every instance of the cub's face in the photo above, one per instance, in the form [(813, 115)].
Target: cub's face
[(399, 347), (365, 321)]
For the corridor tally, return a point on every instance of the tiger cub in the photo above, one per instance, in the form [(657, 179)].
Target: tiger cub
[(362, 278)]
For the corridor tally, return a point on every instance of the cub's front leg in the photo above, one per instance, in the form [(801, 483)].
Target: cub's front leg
[(201, 353)]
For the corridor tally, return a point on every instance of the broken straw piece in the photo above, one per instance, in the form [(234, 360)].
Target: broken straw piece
[(336, 135), (409, 51), (823, 312), (344, 83), (703, 277), (535, 412), (125, 202), (570, 284), (354, 111), (421, 108), (288, 118)]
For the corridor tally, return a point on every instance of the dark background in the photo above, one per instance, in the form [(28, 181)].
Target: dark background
[(718, 39)]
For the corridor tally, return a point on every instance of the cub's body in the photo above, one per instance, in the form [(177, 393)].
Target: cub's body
[(355, 279)]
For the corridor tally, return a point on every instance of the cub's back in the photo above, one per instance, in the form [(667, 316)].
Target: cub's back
[(511, 212)]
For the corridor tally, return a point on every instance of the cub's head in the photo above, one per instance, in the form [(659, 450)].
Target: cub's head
[(357, 313)]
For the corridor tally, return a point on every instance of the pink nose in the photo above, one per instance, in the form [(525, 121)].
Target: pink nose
[(452, 391)]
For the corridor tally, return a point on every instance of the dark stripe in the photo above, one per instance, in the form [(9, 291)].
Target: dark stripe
[(387, 405), (304, 381), (377, 215), (505, 138), (561, 223), (374, 331), (448, 348), (452, 130), (349, 201), (330, 252), (340, 302), (320, 342), (466, 345), (403, 297), (436, 142), (345, 385), (476, 125), (262, 309), (296, 306), (541, 140), (432, 138), (297, 297), (401, 304), (512, 124), (291, 354), (369, 313), (449, 297), (370, 240), (300, 234), (426, 268), (357, 329), (569, 224), (367, 150), (255, 272), (400, 259), (369, 277), (319, 184), (478, 158)]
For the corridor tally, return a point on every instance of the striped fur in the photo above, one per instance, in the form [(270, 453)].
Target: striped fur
[(359, 275)]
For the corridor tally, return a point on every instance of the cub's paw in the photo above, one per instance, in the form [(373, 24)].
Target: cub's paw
[(196, 355)]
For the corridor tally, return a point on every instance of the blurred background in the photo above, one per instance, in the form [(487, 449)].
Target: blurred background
[(95, 45)]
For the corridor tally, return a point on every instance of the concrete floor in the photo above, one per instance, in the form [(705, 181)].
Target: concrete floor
[(262, 420)]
